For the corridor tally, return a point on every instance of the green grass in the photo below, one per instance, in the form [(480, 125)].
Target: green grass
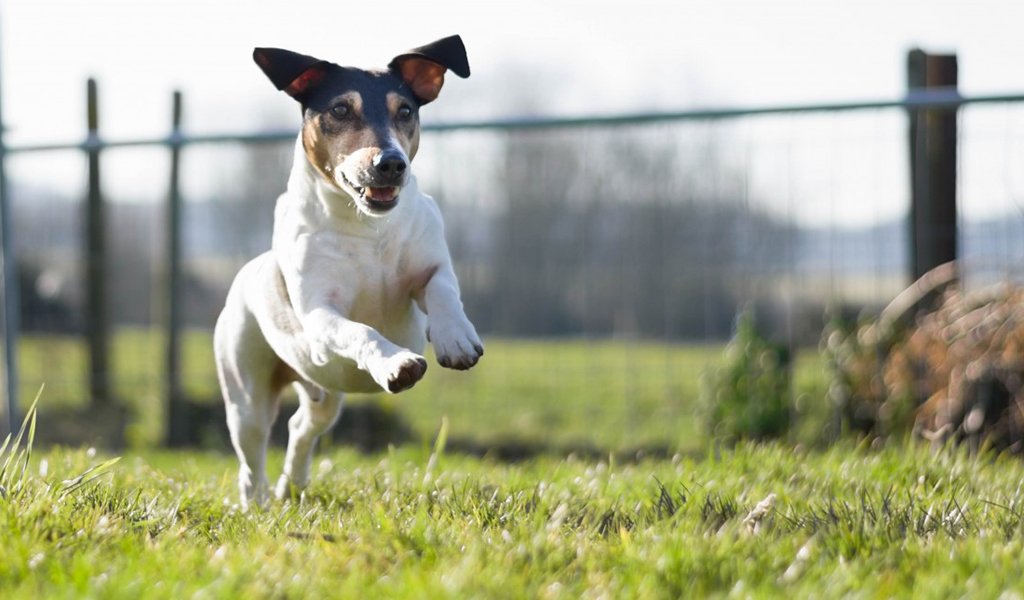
[(900, 522), (614, 395), (417, 522)]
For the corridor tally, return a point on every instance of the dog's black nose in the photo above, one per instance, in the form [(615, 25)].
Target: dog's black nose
[(390, 163)]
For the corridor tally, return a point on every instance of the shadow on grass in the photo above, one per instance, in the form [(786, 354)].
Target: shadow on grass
[(368, 427)]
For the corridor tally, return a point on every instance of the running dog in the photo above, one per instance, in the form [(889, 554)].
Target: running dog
[(358, 277)]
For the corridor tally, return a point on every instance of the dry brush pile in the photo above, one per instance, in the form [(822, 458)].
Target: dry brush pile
[(945, 363)]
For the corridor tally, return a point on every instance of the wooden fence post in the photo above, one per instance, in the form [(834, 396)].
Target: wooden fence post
[(177, 415), (97, 324), (9, 299), (933, 165)]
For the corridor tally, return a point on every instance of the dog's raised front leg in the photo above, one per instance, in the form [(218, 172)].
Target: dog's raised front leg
[(318, 411), (455, 340), (393, 368)]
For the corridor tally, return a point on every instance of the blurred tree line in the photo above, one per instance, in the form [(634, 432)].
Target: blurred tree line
[(624, 235), (600, 232)]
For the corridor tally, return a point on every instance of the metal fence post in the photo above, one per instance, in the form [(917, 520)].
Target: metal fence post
[(10, 295), (96, 319), (177, 417), (933, 156)]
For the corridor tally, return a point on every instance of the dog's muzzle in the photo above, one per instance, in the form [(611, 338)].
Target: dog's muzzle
[(378, 186)]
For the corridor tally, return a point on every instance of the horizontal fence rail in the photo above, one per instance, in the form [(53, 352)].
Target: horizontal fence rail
[(915, 100)]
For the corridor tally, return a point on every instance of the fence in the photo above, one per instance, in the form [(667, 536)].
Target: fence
[(576, 265)]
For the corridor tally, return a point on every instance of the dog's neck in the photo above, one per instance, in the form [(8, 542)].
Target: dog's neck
[(307, 183)]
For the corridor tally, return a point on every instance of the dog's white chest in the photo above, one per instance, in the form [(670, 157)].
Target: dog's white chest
[(363, 277)]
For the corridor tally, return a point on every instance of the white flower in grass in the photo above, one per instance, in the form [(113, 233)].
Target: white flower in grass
[(759, 512), (553, 590), (104, 526), (325, 466), (799, 562), (35, 560), (558, 517)]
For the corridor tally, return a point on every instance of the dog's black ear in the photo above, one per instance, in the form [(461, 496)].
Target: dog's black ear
[(291, 72), (423, 68)]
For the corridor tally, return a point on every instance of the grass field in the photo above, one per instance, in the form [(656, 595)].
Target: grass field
[(422, 523), (428, 519)]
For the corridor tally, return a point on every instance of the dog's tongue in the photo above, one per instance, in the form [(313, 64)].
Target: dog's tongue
[(381, 194)]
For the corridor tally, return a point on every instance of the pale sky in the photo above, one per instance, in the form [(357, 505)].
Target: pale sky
[(528, 56), (587, 56)]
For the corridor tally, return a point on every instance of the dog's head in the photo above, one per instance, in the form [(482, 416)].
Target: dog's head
[(360, 127)]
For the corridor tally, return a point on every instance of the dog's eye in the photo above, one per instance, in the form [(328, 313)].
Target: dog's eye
[(404, 112), (339, 111)]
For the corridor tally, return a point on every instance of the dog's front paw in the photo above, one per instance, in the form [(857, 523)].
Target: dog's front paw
[(400, 371), (457, 347)]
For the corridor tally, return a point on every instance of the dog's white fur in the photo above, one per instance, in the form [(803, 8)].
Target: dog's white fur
[(344, 300)]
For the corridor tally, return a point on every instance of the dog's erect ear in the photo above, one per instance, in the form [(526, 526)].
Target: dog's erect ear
[(289, 71), (423, 68)]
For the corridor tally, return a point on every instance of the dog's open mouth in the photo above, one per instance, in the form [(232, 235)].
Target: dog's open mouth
[(378, 199)]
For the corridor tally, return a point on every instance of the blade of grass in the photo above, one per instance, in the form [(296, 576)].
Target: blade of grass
[(31, 436), (93, 472), (13, 451), (3, 446), (435, 456)]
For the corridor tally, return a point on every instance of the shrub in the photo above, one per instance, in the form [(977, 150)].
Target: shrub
[(749, 395)]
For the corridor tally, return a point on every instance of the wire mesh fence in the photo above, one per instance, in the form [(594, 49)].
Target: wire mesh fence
[(604, 263)]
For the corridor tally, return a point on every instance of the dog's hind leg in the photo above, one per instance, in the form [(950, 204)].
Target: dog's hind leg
[(318, 411), (250, 415), (250, 379)]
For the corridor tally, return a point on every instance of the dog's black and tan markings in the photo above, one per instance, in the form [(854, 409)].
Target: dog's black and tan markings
[(358, 271), (344, 108)]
